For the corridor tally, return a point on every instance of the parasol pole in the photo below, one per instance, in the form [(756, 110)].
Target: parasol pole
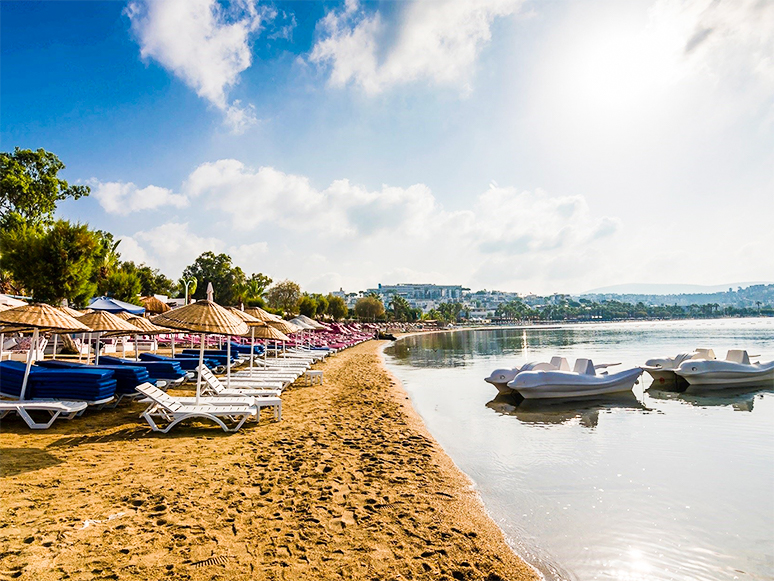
[(33, 345), (228, 363), (136, 349), (53, 355), (252, 349), (172, 336), (96, 355), (2, 341), (201, 366)]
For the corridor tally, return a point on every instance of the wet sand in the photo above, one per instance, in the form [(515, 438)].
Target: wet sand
[(348, 486)]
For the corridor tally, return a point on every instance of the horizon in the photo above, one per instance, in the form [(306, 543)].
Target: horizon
[(498, 143)]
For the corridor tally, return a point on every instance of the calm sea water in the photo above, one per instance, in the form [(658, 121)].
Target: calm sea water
[(655, 486)]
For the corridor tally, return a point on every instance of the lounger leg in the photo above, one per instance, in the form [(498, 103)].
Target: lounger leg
[(36, 425)]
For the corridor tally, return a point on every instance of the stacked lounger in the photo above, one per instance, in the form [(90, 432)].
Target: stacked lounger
[(91, 385), (169, 370), (127, 377)]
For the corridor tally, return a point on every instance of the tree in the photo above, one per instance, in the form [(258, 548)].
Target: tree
[(369, 308), (401, 309), (284, 295), (249, 291), (53, 264), (216, 269), (124, 285), (307, 306), (30, 188), (322, 305), (152, 281), (337, 307)]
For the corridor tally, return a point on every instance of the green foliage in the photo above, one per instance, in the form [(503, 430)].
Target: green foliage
[(337, 307), (284, 296), (218, 270), (249, 291), (125, 285), (322, 305), (52, 264), (152, 281), (30, 188), (369, 308), (307, 306), (401, 309)]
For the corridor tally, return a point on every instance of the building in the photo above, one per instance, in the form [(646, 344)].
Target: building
[(422, 296)]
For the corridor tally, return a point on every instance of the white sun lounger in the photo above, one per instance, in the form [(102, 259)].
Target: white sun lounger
[(174, 410), (65, 410), (213, 385)]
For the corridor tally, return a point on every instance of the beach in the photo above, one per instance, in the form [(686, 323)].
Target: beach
[(349, 485)]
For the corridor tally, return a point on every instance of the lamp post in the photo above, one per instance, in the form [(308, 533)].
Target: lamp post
[(186, 282)]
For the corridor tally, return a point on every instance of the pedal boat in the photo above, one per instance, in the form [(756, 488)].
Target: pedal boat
[(583, 381), (662, 369), (500, 378), (735, 371)]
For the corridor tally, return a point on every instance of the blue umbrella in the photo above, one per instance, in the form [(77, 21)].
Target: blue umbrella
[(112, 305)]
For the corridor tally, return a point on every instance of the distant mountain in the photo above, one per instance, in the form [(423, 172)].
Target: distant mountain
[(668, 289)]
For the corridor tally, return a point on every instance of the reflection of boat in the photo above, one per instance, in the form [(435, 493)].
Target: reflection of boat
[(741, 400), (735, 371), (583, 381), (501, 377), (662, 369), (534, 411)]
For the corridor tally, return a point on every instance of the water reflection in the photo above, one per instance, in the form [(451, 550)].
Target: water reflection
[(554, 412), (742, 400)]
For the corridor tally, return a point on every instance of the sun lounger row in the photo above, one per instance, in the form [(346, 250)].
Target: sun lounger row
[(95, 386)]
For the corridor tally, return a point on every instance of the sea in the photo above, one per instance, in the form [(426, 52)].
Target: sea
[(655, 485)]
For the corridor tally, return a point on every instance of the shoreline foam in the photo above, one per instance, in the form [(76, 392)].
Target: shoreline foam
[(348, 485)]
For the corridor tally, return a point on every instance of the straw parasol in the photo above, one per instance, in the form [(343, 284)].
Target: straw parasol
[(253, 322), (202, 317), (154, 305), (260, 314), (285, 326), (146, 328), (104, 321), (39, 316), (72, 312)]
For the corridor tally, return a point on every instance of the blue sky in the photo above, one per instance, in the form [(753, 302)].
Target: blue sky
[(548, 146)]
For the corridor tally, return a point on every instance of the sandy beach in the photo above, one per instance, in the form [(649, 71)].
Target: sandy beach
[(348, 486)]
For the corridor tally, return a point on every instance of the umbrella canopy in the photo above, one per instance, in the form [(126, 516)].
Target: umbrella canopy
[(285, 326), (39, 316), (154, 305), (106, 321), (269, 332), (114, 306), (146, 327), (301, 324), (203, 317), (72, 312), (311, 322), (7, 302), (260, 314), (125, 315), (249, 319)]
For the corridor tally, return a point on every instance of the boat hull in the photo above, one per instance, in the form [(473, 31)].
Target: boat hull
[(726, 374), (566, 385)]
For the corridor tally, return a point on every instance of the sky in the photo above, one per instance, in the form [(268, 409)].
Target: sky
[(529, 146)]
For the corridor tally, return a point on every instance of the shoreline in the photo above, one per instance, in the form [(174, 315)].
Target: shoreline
[(349, 485)]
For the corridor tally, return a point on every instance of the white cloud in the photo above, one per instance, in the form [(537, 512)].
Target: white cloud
[(124, 198), (202, 43), (437, 41), (347, 234)]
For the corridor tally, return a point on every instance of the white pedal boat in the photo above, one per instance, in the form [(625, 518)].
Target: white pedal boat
[(500, 378), (735, 371), (583, 381), (662, 369)]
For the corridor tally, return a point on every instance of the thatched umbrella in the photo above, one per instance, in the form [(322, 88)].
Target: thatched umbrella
[(142, 327), (105, 322), (39, 316), (154, 305), (260, 314), (253, 323), (202, 317)]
